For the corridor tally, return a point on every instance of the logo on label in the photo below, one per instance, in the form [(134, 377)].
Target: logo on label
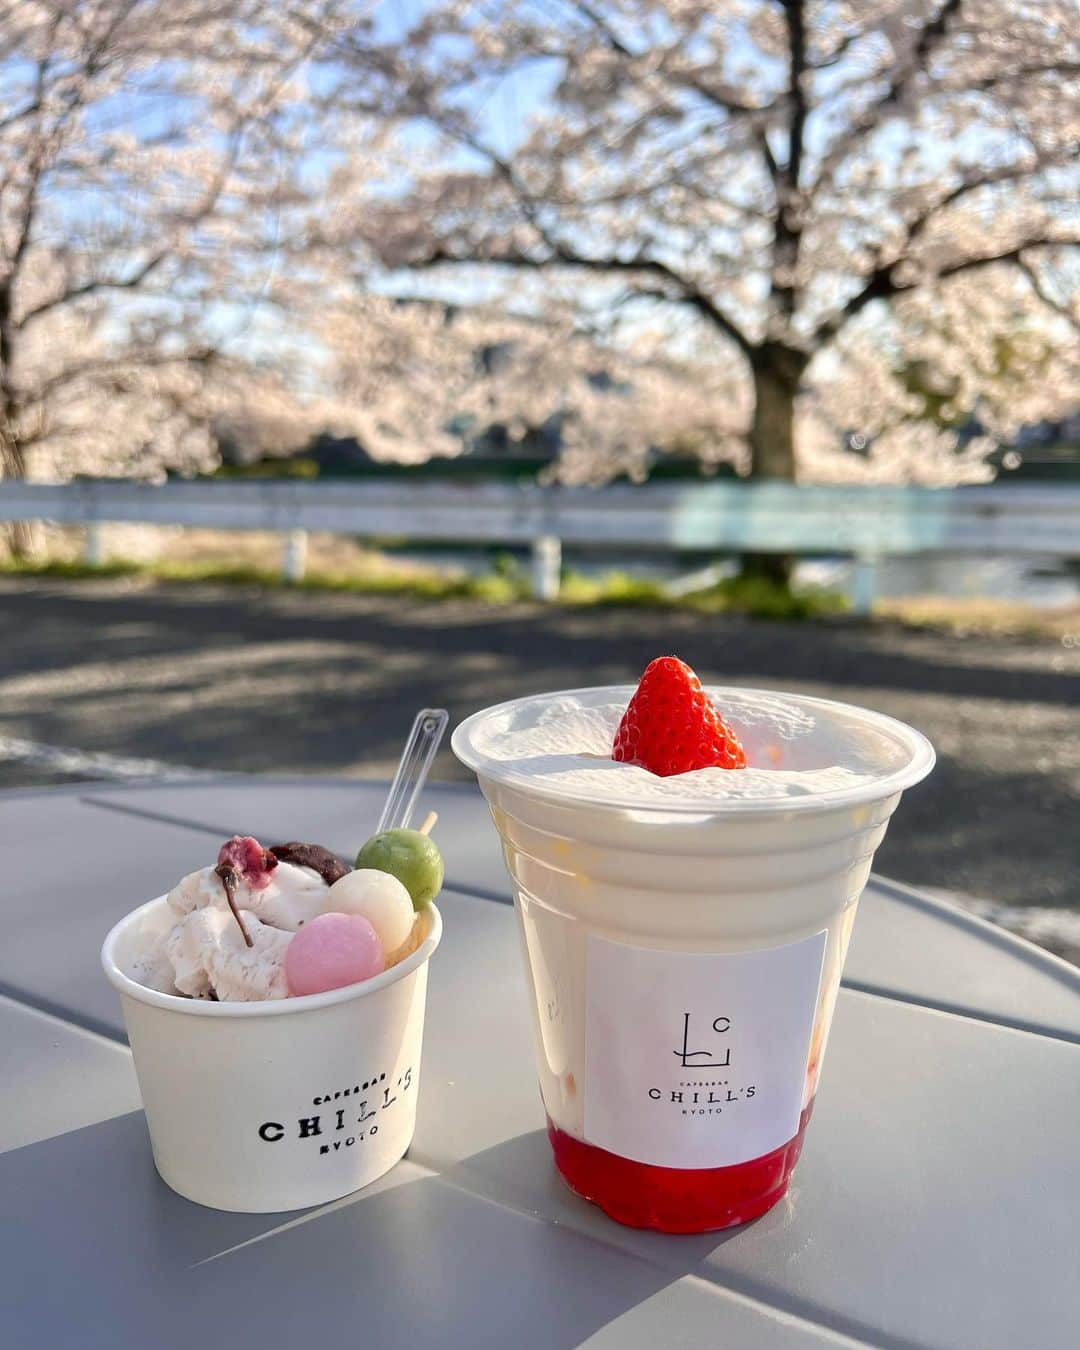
[(699, 1059)]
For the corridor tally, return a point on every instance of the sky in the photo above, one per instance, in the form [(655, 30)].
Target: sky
[(505, 108)]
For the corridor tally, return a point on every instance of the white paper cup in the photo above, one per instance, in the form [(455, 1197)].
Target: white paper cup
[(684, 960), (259, 1107)]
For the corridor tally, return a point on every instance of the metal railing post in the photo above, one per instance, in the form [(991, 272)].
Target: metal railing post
[(864, 583), (294, 557), (546, 566), (94, 544)]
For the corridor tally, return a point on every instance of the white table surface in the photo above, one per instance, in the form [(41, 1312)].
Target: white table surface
[(935, 1204)]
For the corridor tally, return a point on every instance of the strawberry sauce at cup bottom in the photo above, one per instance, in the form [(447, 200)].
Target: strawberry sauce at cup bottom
[(674, 1200)]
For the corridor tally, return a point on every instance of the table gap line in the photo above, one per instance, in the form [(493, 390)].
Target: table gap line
[(1046, 962), (478, 892), (97, 1027), (804, 1313), (60, 1013), (307, 1216), (954, 914), (164, 818), (957, 1010), (852, 1329), (160, 817), (899, 891), (862, 987)]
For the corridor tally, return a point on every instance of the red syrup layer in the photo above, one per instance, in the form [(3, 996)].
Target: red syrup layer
[(674, 1199)]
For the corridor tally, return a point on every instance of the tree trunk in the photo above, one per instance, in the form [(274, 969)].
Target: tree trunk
[(13, 465), (777, 372), (20, 533)]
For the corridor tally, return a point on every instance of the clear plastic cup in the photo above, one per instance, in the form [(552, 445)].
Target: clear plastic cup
[(684, 954)]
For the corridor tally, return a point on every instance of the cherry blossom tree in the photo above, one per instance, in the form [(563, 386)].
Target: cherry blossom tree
[(151, 154), (782, 170), (416, 379), (946, 377)]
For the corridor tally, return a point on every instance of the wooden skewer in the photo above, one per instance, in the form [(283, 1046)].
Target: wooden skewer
[(429, 822)]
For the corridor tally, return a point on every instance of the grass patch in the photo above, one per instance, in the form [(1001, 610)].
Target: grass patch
[(766, 599), (507, 581), (613, 588), (756, 596), (270, 468), (69, 569), (983, 616), (492, 587)]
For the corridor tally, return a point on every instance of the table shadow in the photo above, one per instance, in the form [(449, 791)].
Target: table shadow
[(94, 1246), (96, 1251), (520, 1173)]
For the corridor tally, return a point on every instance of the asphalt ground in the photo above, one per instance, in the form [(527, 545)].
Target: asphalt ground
[(97, 674)]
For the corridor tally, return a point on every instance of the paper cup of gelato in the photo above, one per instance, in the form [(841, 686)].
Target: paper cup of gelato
[(259, 1098)]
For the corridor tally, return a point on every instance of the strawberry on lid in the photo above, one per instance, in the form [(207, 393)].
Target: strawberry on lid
[(670, 726)]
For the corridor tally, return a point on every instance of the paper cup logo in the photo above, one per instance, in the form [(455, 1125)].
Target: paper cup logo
[(346, 1125)]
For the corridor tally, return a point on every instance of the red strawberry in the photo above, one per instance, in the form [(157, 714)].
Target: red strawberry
[(670, 726)]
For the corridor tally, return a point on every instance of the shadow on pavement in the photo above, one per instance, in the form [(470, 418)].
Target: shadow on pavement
[(281, 681)]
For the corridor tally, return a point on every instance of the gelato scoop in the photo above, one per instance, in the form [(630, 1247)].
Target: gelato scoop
[(236, 920), (210, 958)]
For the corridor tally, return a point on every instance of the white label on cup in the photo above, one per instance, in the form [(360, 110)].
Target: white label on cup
[(697, 1059)]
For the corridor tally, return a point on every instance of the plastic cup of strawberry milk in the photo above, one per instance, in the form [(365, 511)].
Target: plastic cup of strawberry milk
[(685, 935)]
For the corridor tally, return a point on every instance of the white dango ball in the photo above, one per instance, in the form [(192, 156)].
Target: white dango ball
[(378, 897)]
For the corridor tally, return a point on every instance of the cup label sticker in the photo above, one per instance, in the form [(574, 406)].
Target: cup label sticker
[(697, 1059)]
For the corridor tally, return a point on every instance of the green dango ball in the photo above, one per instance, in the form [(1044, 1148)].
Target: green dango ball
[(411, 857)]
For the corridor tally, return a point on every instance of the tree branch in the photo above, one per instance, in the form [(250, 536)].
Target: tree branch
[(793, 13), (1009, 173), (883, 285), (1005, 255), (930, 36), (193, 356), (685, 78), (1017, 74), (127, 283), (561, 253), (878, 283), (840, 50), (687, 292), (767, 155), (37, 161), (788, 230), (1036, 284), (27, 110)]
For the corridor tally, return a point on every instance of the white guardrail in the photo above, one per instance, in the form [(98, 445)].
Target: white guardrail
[(868, 523)]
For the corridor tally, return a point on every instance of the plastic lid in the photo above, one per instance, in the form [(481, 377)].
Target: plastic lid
[(804, 754)]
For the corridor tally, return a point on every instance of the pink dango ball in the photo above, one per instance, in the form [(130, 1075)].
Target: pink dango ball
[(331, 951)]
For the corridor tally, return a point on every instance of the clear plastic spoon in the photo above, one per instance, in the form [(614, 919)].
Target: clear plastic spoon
[(424, 739)]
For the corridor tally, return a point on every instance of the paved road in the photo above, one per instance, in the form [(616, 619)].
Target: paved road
[(221, 678)]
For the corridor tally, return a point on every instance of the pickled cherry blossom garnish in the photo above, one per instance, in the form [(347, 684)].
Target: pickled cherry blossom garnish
[(244, 859)]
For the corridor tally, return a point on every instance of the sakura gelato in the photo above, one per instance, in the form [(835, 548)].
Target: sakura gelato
[(292, 919)]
